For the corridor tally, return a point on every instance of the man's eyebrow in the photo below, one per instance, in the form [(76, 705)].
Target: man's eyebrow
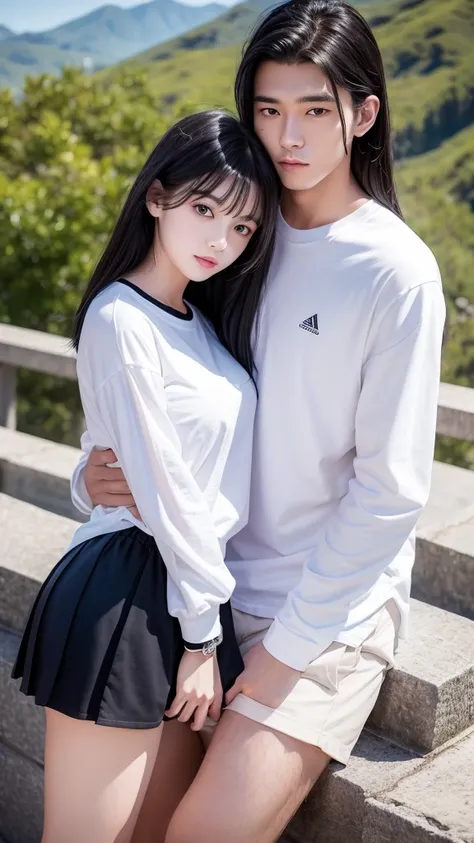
[(320, 97)]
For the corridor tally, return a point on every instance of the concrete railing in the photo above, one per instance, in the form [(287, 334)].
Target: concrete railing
[(52, 355)]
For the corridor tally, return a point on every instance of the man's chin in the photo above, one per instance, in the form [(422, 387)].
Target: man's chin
[(300, 180)]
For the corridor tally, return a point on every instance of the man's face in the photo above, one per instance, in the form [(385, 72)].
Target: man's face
[(297, 119)]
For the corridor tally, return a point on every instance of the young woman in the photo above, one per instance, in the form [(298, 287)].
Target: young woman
[(126, 628), (348, 359)]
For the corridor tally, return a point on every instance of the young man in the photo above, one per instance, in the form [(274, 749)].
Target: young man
[(348, 352)]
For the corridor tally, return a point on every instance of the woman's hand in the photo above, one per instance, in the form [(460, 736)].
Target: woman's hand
[(106, 486), (198, 690)]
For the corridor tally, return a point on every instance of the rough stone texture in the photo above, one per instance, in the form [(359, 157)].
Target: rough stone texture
[(456, 411), (451, 499), (444, 568), (21, 721), (444, 576), (21, 797), (32, 541), (434, 805), (38, 351), (334, 811), (429, 696), (37, 471)]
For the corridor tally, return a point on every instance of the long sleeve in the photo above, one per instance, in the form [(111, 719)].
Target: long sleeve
[(79, 496), (131, 405), (394, 441)]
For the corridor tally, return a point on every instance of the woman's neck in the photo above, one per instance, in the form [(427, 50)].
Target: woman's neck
[(158, 277)]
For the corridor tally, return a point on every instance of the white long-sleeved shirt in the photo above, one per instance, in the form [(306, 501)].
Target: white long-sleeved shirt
[(348, 357), (160, 390)]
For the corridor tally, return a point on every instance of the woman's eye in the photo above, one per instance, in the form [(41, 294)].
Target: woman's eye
[(203, 210), (243, 229)]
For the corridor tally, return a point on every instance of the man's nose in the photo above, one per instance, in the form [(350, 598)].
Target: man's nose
[(292, 137)]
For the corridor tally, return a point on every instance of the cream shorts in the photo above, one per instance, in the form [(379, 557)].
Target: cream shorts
[(329, 705)]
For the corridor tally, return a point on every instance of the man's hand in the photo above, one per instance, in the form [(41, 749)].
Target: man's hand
[(106, 486), (265, 679)]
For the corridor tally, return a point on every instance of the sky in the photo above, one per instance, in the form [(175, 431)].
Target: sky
[(36, 15)]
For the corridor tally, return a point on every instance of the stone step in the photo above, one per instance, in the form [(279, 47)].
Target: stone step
[(21, 721), (33, 540), (38, 471), (426, 700), (444, 569), (21, 797)]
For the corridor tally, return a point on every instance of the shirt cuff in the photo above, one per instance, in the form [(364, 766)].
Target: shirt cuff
[(291, 649), (202, 628), (79, 496)]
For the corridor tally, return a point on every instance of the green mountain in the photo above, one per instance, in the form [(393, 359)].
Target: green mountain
[(103, 37)]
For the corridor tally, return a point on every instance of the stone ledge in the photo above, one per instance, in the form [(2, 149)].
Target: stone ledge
[(33, 540), (37, 351), (37, 471), (433, 805), (21, 797), (456, 411), (428, 698), (21, 721)]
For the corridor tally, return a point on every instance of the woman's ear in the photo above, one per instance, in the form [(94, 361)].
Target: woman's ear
[(154, 198)]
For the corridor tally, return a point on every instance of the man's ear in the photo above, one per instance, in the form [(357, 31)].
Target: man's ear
[(367, 115), (154, 198)]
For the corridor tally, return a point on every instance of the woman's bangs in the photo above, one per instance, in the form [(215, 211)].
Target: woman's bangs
[(234, 199)]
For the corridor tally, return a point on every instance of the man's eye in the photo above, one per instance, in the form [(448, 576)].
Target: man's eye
[(317, 111), (269, 112)]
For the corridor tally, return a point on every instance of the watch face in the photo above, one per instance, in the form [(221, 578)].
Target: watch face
[(209, 648)]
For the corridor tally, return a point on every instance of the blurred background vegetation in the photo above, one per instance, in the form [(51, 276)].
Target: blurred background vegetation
[(71, 144)]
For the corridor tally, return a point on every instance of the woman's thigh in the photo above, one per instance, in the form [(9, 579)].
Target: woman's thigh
[(95, 779), (250, 784), (177, 763)]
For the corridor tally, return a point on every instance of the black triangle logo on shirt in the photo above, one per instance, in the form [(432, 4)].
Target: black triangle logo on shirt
[(311, 324)]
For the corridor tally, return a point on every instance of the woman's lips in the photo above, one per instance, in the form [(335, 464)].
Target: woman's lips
[(207, 263)]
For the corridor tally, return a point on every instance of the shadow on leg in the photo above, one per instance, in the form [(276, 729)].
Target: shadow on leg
[(250, 784), (177, 763)]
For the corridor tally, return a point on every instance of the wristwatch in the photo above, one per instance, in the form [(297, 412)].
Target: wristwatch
[(207, 648)]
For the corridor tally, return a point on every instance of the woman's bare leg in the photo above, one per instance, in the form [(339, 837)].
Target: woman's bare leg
[(95, 779), (178, 761)]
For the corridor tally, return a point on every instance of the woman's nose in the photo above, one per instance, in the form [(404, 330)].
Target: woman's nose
[(218, 244)]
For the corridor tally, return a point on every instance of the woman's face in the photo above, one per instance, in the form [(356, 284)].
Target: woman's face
[(201, 237)]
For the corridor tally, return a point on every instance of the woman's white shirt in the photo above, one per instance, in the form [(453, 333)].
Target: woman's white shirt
[(178, 410)]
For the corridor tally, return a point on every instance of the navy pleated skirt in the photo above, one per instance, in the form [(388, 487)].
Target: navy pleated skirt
[(100, 643)]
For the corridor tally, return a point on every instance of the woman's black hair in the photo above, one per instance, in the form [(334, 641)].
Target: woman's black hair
[(195, 157), (335, 37)]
